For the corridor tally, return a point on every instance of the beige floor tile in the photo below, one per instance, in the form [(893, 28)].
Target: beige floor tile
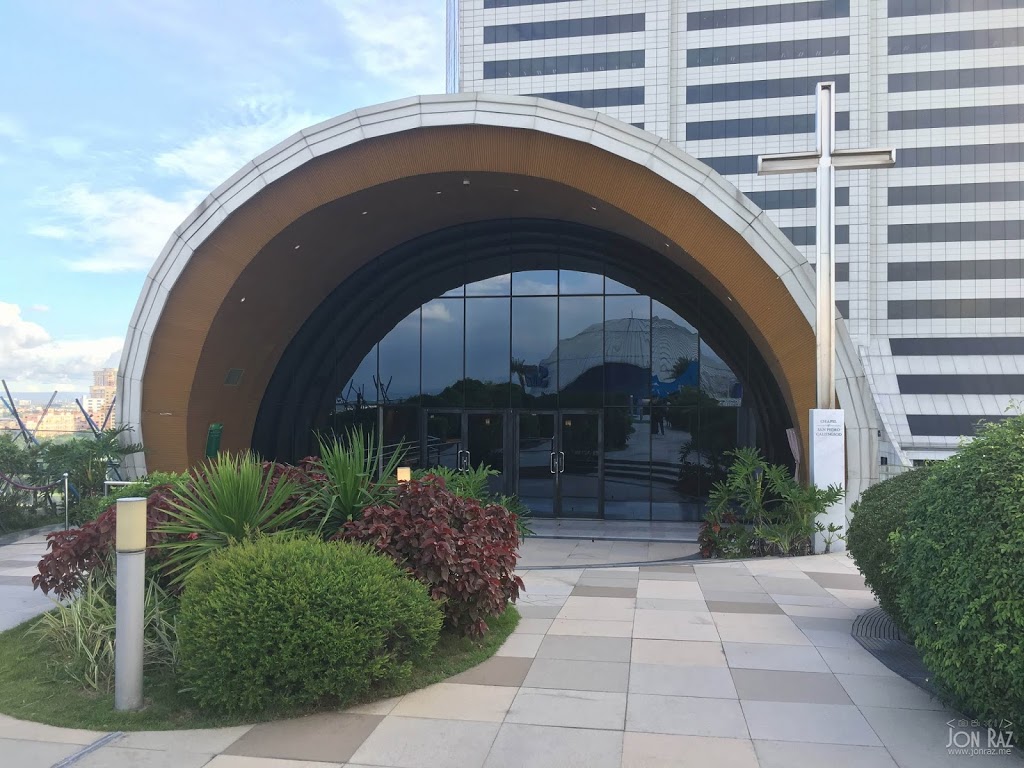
[(591, 628), (681, 653), (240, 761), (660, 750), (598, 609), (23, 730), (455, 701), (674, 625), (520, 645), (210, 741), (672, 590), (382, 707)]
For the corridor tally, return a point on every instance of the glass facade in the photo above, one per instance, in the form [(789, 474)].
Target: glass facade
[(587, 397)]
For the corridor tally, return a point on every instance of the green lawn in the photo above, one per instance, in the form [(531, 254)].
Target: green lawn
[(32, 689)]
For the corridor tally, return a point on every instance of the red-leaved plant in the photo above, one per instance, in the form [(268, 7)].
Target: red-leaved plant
[(465, 552), (77, 552)]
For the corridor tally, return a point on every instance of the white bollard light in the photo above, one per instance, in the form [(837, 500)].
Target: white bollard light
[(130, 543)]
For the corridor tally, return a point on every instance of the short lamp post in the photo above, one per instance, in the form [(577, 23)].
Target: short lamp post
[(130, 543), (403, 474)]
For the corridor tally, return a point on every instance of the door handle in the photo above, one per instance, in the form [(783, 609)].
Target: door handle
[(561, 461), (465, 461), (552, 464)]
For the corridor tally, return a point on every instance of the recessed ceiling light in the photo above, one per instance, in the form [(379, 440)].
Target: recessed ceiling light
[(514, 189), (465, 182), (297, 247), (365, 212), (667, 245), (243, 298), (593, 207), (438, 192)]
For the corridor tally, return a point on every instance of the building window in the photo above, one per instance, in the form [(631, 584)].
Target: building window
[(560, 65), (934, 7), (782, 199), (966, 384), (947, 194), (956, 231), (993, 114), (989, 345), (762, 89), (732, 165), (808, 235), (776, 125), (986, 77), (781, 51), (598, 98), (549, 30), (767, 14), (954, 309), (923, 425), (971, 154), (970, 269), (964, 40)]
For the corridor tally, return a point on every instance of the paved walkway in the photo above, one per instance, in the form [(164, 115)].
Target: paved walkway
[(565, 543), (732, 665), (18, 601)]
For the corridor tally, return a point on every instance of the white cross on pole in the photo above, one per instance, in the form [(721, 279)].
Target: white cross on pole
[(827, 438), (825, 160)]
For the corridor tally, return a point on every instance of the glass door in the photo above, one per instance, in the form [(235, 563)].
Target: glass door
[(442, 439), (485, 445), (579, 463), (536, 464)]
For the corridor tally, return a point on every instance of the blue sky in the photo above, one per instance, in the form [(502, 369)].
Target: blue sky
[(117, 117)]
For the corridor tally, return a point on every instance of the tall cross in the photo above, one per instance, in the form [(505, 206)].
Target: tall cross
[(825, 160)]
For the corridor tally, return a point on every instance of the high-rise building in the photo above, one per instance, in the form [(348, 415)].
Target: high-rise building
[(929, 253)]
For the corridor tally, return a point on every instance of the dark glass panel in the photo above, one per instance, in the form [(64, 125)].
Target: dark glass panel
[(535, 283), (721, 395), (579, 464), (444, 439), (400, 361), (500, 285), (361, 389), (571, 281), (580, 351), (487, 352), (443, 336), (627, 466), (627, 351), (534, 344), (536, 461)]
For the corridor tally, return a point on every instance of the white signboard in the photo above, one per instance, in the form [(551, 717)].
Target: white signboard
[(827, 465)]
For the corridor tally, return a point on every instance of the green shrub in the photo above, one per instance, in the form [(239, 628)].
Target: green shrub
[(963, 560), (882, 510), (286, 621), (81, 634)]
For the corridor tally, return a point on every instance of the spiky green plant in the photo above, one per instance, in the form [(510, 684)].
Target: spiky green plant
[(232, 498), (357, 474)]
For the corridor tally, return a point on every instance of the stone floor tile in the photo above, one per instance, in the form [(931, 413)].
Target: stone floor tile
[(240, 761), (917, 738), (791, 754), (326, 737), (819, 622), (659, 750), (582, 590), (737, 596), (674, 625), (680, 653), (509, 671), (582, 648), (567, 674), (381, 707), (731, 606), (538, 746), (854, 661), (537, 611), (790, 658), (835, 611), (591, 628), (622, 572), (24, 753), (538, 587), (208, 740), (457, 701), (520, 645), (667, 576), (412, 742), (23, 730), (857, 599), (665, 680), (665, 604), (543, 601), (673, 590), (685, 715), (533, 626), (887, 691), (571, 709), (665, 568), (798, 687), (838, 580), (817, 723), (776, 585), (116, 757), (728, 582), (758, 628), (598, 608), (826, 638)]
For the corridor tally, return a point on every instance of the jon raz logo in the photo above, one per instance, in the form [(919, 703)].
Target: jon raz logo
[(973, 738)]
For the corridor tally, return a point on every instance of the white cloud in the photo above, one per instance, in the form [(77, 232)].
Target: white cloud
[(9, 127), (125, 228), (401, 41), (261, 122), (39, 308), (34, 361), (437, 311)]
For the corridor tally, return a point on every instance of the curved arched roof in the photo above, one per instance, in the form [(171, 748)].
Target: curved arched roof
[(239, 277)]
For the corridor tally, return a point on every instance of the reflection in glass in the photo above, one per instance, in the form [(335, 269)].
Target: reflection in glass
[(534, 339), (443, 338), (487, 353), (443, 439), (627, 466), (485, 443), (580, 353), (399, 356), (627, 350), (500, 285), (571, 281), (536, 462), (578, 464), (535, 283), (720, 397), (361, 389), (615, 287), (401, 430)]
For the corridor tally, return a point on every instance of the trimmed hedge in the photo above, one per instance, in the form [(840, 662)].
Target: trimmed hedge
[(880, 511), (963, 559), (286, 621)]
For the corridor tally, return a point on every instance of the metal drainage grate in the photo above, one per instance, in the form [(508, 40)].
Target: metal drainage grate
[(880, 636)]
